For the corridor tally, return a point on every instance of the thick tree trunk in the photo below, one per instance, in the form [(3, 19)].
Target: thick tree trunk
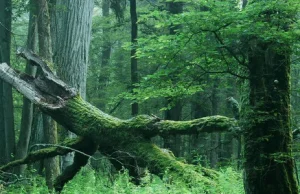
[(71, 26), (7, 137), (269, 166), (269, 163), (109, 134), (71, 32)]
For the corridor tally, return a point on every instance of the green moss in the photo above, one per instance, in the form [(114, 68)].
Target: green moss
[(162, 163), (131, 136), (205, 124), (46, 153)]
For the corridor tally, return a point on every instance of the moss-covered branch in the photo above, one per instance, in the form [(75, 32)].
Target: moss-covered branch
[(61, 102), (80, 160), (111, 134), (47, 153), (206, 124), (160, 162), (85, 120)]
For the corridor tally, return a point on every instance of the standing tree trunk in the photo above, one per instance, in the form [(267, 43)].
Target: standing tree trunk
[(214, 137), (269, 164), (106, 52), (172, 142), (134, 65), (7, 133), (37, 137), (174, 113), (27, 109), (49, 125), (71, 32)]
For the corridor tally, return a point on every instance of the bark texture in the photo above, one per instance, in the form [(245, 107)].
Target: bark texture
[(269, 166), (49, 125), (269, 163), (71, 31), (71, 23)]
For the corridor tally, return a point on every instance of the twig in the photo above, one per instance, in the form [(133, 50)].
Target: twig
[(7, 174), (65, 147)]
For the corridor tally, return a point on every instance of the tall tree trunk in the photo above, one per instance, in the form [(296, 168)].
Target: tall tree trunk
[(200, 108), (174, 113), (37, 137), (71, 32), (106, 52), (133, 61), (269, 166), (27, 109), (171, 142), (214, 137), (71, 29), (49, 125), (7, 137)]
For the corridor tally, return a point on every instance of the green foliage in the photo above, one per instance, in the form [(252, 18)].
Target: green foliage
[(105, 82), (36, 185), (20, 7), (88, 181), (213, 37), (231, 181)]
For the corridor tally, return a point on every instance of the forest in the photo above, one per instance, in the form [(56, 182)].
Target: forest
[(150, 96)]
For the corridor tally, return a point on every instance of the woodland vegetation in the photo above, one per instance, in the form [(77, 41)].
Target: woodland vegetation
[(149, 96)]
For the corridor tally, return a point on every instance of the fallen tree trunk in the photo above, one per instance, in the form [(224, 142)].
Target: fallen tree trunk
[(110, 135)]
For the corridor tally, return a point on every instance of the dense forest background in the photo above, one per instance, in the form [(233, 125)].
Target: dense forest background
[(174, 60)]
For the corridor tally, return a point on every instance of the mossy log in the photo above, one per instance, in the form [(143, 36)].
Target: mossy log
[(108, 134)]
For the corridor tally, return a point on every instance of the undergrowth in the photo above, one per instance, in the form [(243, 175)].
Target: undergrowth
[(89, 181)]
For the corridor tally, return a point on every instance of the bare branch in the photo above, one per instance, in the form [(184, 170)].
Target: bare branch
[(7, 175)]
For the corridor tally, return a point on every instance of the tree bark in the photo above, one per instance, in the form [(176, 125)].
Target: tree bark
[(49, 125), (7, 137), (37, 137), (269, 166), (71, 32)]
